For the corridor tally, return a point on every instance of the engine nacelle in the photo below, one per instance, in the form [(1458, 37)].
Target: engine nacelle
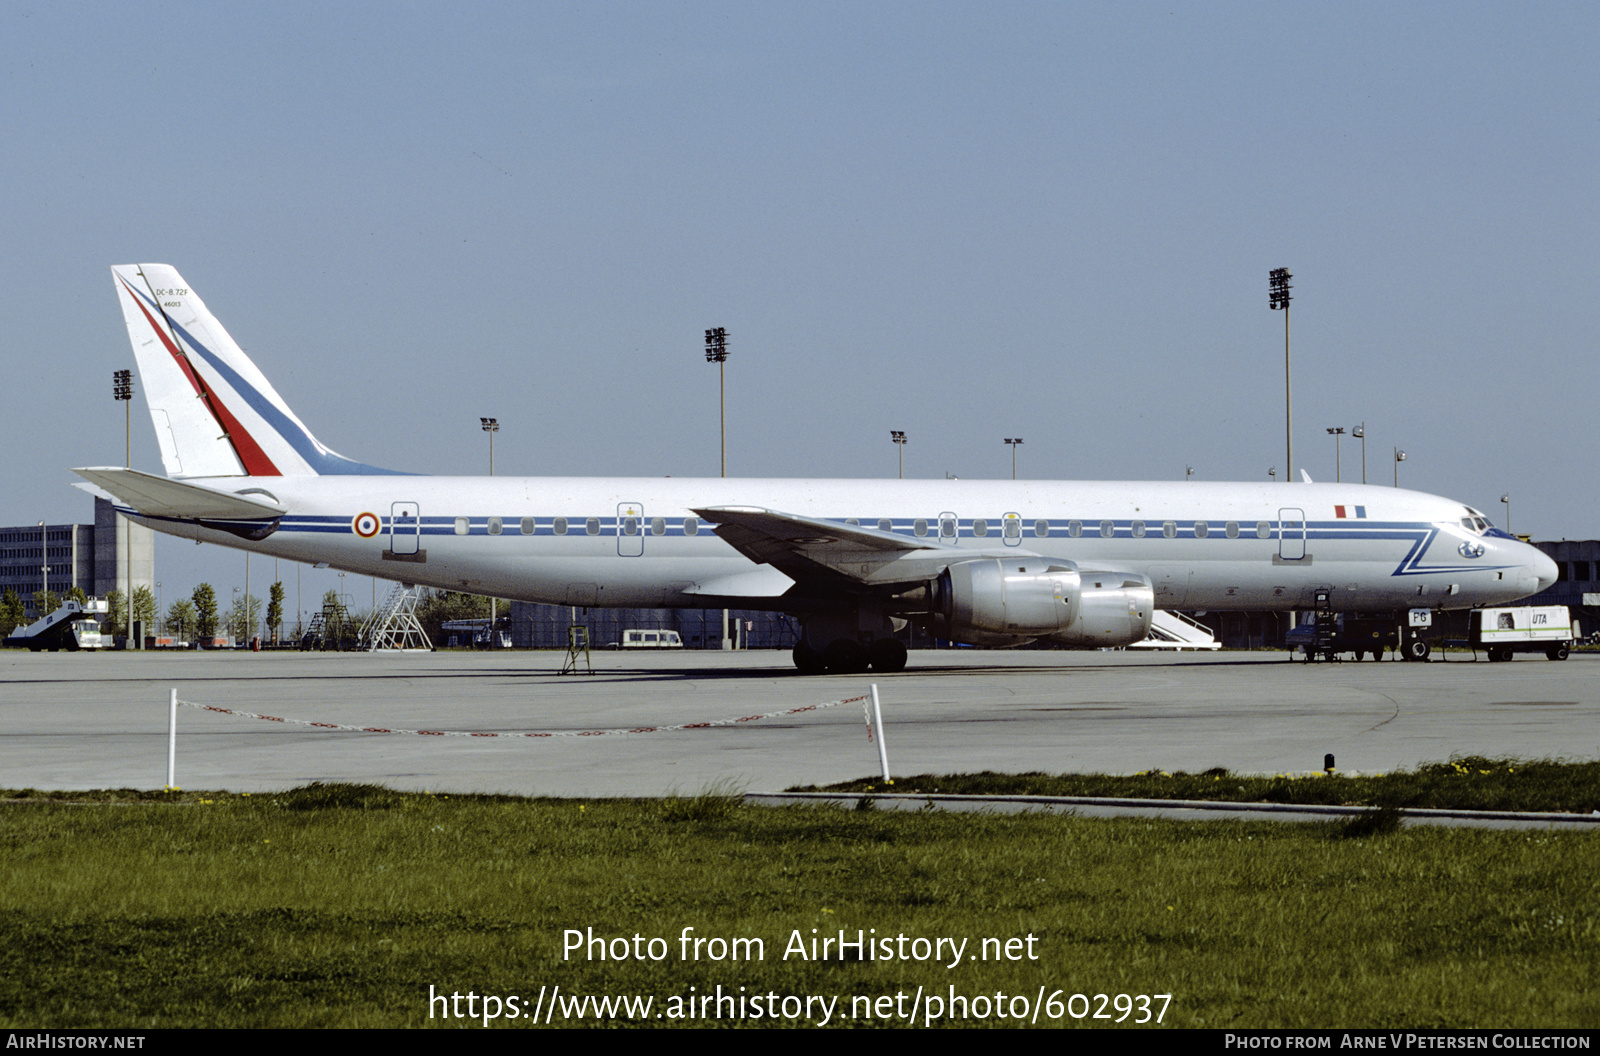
[(1009, 602)]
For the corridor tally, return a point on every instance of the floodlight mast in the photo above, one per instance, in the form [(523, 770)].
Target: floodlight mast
[(898, 437), (1338, 466), (122, 389), (1278, 298), (491, 426), (717, 352)]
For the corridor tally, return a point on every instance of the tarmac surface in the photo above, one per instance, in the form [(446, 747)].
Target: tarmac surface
[(78, 721)]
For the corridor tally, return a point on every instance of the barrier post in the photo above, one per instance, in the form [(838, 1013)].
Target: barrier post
[(172, 741), (877, 723)]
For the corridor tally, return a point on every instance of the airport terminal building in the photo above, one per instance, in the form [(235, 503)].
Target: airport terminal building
[(91, 557)]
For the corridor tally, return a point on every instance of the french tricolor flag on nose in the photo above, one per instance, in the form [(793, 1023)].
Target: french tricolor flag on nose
[(1350, 511)]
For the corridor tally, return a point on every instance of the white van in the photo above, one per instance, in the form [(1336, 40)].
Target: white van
[(651, 640)]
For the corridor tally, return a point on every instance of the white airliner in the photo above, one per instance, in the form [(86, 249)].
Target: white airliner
[(983, 562)]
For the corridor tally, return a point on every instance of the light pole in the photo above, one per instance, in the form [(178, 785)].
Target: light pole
[(1188, 471), (717, 352), (899, 438), (491, 426), (1338, 464), (1399, 457), (1014, 444), (1506, 498), (1360, 432), (122, 389), (1278, 298), (44, 570)]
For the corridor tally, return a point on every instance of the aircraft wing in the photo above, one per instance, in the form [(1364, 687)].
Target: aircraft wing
[(817, 552), (163, 497)]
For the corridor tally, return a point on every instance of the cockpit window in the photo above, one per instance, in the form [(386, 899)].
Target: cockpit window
[(1476, 523)]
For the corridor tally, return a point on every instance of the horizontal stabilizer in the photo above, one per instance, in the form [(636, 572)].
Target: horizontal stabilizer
[(161, 497)]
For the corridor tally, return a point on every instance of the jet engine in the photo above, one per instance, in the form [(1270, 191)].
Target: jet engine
[(1009, 602)]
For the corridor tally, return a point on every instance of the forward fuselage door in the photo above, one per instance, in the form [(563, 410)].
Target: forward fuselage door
[(1291, 534), (405, 527), (630, 529)]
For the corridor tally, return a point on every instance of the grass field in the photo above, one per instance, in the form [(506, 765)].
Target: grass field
[(344, 905)]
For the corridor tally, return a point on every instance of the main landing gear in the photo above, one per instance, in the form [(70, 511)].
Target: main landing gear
[(849, 643), (846, 656)]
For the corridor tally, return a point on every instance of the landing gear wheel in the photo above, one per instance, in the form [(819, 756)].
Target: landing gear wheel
[(808, 660), (845, 656), (1556, 652), (1416, 649), (1499, 654), (887, 655)]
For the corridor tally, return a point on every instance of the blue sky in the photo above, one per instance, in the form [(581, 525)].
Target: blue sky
[(1052, 221)]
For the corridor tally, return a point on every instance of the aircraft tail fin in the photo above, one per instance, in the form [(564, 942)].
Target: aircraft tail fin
[(215, 413)]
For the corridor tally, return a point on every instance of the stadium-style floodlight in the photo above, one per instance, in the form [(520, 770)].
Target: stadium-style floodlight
[(717, 352), (1188, 471), (898, 436), (1338, 465), (1399, 457), (122, 389), (1278, 297), (491, 426), (1014, 444), (1360, 432), (1506, 498), (1272, 471)]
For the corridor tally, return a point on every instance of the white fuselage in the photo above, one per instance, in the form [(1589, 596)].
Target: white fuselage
[(636, 541)]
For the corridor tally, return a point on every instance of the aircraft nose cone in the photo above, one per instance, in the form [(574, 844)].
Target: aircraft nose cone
[(1543, 568)]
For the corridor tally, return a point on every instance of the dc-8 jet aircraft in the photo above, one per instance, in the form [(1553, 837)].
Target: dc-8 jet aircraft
[(981, 562)]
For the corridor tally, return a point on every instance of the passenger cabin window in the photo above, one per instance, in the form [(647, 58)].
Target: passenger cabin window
[(461, 526), (495, 526), (592, 526), (885, 525), (980, 527), (1137, 530), (559, 526), (1263, 529), (1107, 529), (920, 527), (947, 527), (658, 526), (1011, 528), (1074, 528), (1233, 529), (1041, 528), (1169, 529), (691, 526), (630, 526), (1201, 529), (854, 521), (528, 525)]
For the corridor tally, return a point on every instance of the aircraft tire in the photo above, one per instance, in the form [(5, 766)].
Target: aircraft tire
[(1557, 652), (808, 660), (1417, 649), (845, 656), (887, 655)]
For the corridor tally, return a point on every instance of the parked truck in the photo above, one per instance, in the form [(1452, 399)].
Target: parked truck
[(1502, 633)]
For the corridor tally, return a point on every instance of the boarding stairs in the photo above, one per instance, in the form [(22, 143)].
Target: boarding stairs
[(61, 629), (1174, 630), (394, 626)]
